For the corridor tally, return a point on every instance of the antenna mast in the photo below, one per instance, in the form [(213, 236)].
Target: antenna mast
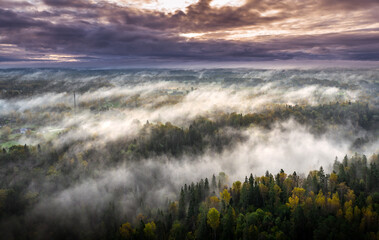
[(74, 103)]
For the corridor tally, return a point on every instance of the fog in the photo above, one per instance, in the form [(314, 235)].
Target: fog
[(114, 105), (174, 101), (155, 181)]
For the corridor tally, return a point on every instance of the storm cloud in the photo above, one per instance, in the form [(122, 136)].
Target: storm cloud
[(86, 31)]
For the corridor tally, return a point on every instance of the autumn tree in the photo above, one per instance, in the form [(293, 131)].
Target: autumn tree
[(225, 196), (149, 230), (213, 219), (126, 231)]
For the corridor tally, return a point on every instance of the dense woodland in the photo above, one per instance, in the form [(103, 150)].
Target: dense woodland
[(205, 132), (79, 160), (157, 139), (343, 204)]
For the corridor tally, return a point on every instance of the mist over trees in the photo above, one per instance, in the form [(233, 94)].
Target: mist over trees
[(342, 204), (189, 154)]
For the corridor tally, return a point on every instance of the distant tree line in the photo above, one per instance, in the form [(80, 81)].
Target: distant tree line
[(203, 132)]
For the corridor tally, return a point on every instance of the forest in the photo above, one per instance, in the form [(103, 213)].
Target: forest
[(189, 154), (340, 205)]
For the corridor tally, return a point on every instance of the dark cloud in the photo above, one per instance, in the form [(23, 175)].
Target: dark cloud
[(79, 27), (68, 3), (9, 59), (11, 20), (12, 4), (348, 4), (197, 17)]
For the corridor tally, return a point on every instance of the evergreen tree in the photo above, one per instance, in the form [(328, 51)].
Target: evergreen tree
[(182, 205), (228, 224)]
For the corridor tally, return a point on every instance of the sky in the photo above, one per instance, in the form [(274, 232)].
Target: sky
[(106, 33)]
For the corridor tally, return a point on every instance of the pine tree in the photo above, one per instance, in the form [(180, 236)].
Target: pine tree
[(214, 184), (206, 187), (182, 204), (228, 224)]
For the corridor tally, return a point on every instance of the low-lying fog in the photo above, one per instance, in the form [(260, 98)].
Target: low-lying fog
[(115, 104)]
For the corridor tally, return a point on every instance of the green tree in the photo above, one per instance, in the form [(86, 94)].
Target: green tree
[(182, 205), (177, 231), (228, 224), (202, 231)]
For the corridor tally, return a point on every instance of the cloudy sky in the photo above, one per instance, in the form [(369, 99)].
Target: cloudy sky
[(106, 32)]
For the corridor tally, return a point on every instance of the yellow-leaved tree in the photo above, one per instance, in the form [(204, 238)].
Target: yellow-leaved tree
[(298, 197), (149, 230), (225, 196), (126, 231), (334, 203), (320, 200), (213, 219), (214, 202)]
